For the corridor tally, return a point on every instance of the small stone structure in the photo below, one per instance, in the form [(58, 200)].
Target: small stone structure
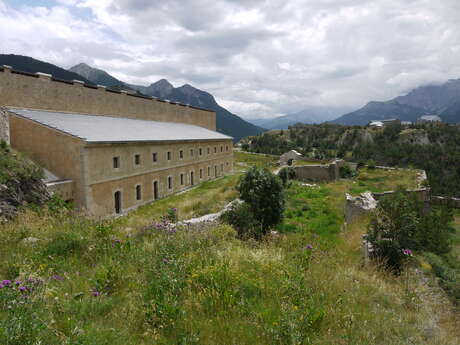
[(289, 157), (320, 172), (358, 206)]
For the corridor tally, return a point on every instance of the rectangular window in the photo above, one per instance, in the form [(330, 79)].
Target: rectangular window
[(215, 149), (201, 173), (138, 192), (209, 171), (137, 159), (168, 155), (221, 149), (154, 157), (116, 162), (208, 150), (226, 148), (191, 152), (169, 182), (181, 179), (201, 151), (181, 154)]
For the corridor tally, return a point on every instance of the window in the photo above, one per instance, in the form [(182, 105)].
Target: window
[(181, 179), (201, 173), (168, 155), (215, 149), (181, 154), (116, 162), (117, 201), (226, 148), (209, 171), (137, 159), (201, 151), (154, 157), (138, 192), (226, 164), (208, 150), (221, 149), (169, 182), (155, 190), (191, 152)]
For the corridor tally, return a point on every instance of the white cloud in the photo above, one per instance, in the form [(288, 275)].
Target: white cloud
[(258, 57)]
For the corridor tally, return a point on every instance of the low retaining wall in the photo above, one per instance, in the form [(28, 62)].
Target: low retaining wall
[(451, 202), (64, 189), (320, 172), (4, 126)]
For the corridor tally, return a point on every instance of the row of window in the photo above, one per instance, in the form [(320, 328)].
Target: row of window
[(137, 156), (156, 186)]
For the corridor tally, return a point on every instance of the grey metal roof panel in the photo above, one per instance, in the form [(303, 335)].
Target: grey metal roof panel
[(100, 129)]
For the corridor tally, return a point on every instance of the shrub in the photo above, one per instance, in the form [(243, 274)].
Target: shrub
[(346, 172), (286, 174), (371, 164), (263, 192), (400, 222), (242, 219)]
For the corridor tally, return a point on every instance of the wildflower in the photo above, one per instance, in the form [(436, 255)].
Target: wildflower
[(22, 288), (95, 293), (407, 252), (57, 277), (17, 282), (174, 209), (308, 247), (165, 261), (6, 282)]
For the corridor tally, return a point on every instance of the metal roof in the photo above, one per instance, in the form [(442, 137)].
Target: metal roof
[(110, 129)]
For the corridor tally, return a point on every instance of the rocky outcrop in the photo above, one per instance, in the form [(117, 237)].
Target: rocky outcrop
[(21, 184)]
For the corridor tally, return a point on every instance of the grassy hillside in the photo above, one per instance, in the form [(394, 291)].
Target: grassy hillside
[(137, 280)]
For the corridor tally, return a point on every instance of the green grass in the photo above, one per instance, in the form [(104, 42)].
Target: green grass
[(244, 160), (382, 180), (202, 285)]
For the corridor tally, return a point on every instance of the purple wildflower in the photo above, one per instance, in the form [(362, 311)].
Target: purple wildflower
[(95, 293), (57, 277), (17, 282), (308, 247), (6, 282), (174, 209), (407, 252), (22, 288)]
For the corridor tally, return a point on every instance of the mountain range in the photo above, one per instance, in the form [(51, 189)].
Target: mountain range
[(226, 122), (442, 100), (309, 116)]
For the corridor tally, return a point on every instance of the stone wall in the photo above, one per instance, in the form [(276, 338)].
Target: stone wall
[(320, 172), (4, 126), (42, 91)]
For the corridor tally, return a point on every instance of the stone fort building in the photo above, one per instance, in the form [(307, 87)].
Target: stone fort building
[(109, 151)]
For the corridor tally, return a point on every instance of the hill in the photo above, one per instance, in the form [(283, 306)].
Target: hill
[(226, 122), (31, 65), (440, 99)]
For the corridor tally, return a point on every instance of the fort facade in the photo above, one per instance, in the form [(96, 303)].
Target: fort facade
[(110, 152)]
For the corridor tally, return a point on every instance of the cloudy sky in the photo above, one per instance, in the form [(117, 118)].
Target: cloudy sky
[(258, 58)]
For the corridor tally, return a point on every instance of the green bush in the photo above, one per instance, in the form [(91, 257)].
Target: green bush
[(242, 219), (371, 164), (400, 222), (264, 194), (346, 172), (286, 174)]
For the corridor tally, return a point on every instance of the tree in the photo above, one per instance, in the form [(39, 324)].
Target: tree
[(264, 194)]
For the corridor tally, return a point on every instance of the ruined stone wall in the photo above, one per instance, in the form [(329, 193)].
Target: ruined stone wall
[(4, 126), (41, 91), (319, 173)]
